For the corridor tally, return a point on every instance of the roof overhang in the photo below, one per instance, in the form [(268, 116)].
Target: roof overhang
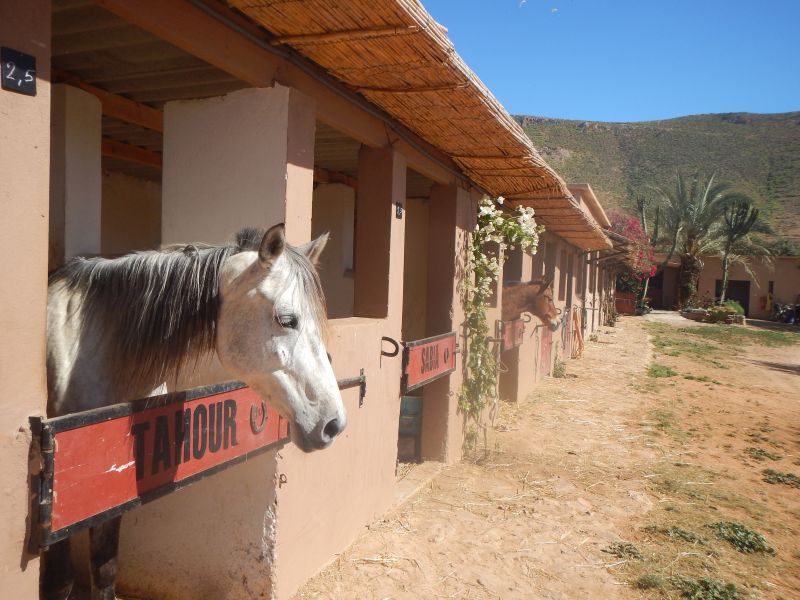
[(593, 205), (619, 254), (396, 56)]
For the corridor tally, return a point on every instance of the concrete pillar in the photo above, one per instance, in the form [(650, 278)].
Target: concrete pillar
[(526, 269), (25, 160), (550, 258), (242, 160), (512, 268), (245, 159), (380, 236), (570, 266), (75, 174), (450, 222), (518, 266), (538, 261)]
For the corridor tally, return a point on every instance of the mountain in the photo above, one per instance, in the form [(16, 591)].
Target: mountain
[(623, 161)]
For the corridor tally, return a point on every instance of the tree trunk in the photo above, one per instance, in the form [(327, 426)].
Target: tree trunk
[(724, 286), (691, 266)]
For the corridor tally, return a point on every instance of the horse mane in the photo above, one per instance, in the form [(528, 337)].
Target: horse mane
[(158, 309)]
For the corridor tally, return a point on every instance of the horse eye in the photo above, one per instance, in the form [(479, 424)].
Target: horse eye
[(287, 321)]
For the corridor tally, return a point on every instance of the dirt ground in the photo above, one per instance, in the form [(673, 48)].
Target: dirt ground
[(603, 484)]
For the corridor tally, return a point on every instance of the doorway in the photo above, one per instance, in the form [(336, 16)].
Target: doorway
[(739, 290)]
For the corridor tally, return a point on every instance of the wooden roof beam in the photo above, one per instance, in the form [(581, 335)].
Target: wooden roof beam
[(186, 26), (130, 153), (117, 106), (326, 176)]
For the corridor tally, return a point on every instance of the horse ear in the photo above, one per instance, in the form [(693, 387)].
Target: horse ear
[(545, 285), (314, 248), (272, 245)]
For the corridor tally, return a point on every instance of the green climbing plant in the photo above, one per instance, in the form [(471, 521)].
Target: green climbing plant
[(495, 232)]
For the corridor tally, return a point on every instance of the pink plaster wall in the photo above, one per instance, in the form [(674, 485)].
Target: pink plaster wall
[(330, 496), (131, 214), (24, 197)]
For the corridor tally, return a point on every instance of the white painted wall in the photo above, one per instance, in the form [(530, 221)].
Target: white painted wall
[(75, 188)]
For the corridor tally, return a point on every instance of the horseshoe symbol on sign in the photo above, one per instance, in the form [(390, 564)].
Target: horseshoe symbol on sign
[(256, 425)]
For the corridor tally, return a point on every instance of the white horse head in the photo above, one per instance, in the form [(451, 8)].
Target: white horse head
[(270, 334)]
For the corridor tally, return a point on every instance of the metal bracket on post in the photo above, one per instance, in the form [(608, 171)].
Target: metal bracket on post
[(360, 381)]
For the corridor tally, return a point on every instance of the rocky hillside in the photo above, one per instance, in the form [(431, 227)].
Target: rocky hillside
[(761, 153)]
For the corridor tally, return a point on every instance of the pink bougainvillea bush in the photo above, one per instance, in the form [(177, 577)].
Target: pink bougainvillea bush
[(640, 262)]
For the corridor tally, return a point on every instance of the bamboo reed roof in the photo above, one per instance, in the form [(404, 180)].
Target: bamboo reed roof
[(395, 55), (622, 255)]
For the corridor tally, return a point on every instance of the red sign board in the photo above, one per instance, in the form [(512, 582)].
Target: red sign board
[(427, 360), (100, 463), (512, 333)]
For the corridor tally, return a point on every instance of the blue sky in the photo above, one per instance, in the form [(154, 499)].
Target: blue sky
[(630, 60)]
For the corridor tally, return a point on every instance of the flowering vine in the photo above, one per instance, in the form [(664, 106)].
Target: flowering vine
[(495, 232)]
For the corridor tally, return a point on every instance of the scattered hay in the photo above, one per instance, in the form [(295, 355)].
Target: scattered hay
[(676, 533), (624, 550), (383, 559)]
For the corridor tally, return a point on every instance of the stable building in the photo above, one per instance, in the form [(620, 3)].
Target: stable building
[(572, 256), (135, 125)]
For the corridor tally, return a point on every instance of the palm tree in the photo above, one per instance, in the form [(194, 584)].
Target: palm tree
[(740, 218), (690, 217)]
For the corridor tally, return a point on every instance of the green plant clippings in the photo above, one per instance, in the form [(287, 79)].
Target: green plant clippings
[(656, 370), (742, 538), (772, 476)]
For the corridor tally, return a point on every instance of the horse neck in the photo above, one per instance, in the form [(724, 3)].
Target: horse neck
[(170, 327)]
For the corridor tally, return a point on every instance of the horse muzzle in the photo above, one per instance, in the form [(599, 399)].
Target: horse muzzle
[(321, 436)]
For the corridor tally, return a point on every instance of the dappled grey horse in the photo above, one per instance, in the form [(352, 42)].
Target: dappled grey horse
[(116, 329)]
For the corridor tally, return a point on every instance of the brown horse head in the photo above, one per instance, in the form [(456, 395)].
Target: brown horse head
[(535, 297)]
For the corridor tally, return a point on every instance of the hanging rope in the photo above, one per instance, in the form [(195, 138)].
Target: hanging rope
[(577, 332)]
